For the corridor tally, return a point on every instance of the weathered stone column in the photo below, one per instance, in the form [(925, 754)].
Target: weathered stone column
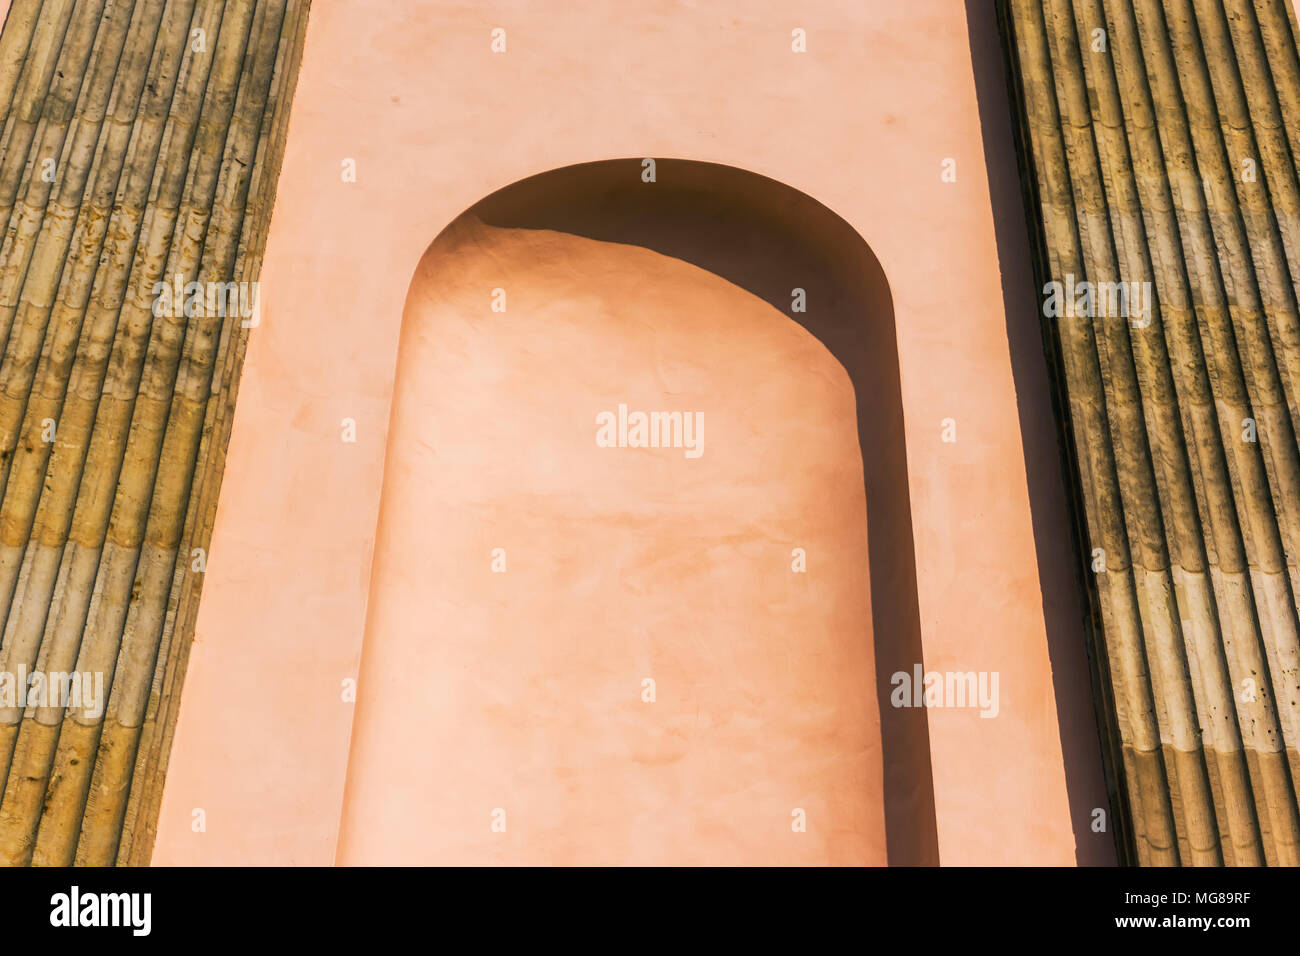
[(141, 141), (1157, 150)]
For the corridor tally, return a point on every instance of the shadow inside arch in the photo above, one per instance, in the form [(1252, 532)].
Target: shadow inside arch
[(770, 239)]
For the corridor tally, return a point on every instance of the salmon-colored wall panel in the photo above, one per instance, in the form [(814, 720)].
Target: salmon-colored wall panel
[(434, 120)]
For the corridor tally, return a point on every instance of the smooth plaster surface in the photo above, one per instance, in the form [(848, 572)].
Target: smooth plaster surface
[(435, 121), (515, 678)]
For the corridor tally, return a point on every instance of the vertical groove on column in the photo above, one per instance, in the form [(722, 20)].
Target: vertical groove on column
[(15, 41)]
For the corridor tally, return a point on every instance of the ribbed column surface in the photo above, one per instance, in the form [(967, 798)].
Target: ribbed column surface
[(1159, 151), (140, 145)]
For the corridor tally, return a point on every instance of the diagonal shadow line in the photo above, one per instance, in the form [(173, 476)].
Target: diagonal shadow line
[(1067, 613)]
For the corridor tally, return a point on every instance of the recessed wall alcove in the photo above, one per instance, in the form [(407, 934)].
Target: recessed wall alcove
[(585, 654)]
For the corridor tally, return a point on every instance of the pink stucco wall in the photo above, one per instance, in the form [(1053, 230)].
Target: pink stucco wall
[(434, 120), (610, 647)]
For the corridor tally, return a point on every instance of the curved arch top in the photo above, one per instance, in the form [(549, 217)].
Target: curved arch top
[(616, 648)]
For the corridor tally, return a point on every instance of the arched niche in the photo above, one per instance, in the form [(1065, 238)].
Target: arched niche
[(587, 654)]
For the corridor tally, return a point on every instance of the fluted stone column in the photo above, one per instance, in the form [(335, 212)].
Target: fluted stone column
[(141, 142), (1158, 142)]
